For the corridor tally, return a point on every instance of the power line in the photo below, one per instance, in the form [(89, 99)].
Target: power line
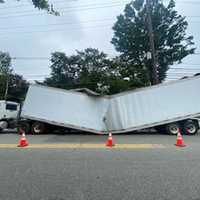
[(30, 58), (37, 75), (55, 30), (168, 73), (48, 75), (66, 11), (187, 70), (113, 3), (57, 24), (56, 2), (193, 22), (45, 58), (68, 7), (73, 1), (188, 2), (183, 68), (48, 58), (71, 23), (193, 16), (44, 76), (179, 77), (73, 8), (181, 74), (66, 23), (171, 79), (195, 64), (30, 5)]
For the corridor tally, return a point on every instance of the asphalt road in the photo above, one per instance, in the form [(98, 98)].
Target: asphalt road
[(95, 174)]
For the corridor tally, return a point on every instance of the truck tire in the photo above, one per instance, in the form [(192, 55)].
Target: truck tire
[(190, 127), (172, 128), (25, 126), (3, 124), (38, 128)]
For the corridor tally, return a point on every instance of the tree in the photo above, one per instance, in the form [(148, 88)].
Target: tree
[(13, 83), (94, 68), (132, 41), (2, 86), (128, 77), (87, 69), (64, 70), (17, 87), (41, 4), (5, 70), (5, 63)]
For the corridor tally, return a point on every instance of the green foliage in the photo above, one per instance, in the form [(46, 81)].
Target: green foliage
[(132, 41), (87, 69), (5, 63), (42, 5), (17, 85), (2, 86), (63, 71)]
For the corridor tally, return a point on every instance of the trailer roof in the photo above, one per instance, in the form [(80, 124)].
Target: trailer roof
[(89, 92)]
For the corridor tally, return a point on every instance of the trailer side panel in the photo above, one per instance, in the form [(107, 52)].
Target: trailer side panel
[(66, 108), (154, 105)]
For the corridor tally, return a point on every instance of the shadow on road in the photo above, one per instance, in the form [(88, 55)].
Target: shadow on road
[(82, 133)]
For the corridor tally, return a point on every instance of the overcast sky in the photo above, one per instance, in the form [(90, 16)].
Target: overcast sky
[(27, 32)]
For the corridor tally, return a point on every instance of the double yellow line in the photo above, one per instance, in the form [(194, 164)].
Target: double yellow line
[(83, 146)]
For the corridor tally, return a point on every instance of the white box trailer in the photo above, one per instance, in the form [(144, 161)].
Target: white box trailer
[(65, 108), (167, 106)]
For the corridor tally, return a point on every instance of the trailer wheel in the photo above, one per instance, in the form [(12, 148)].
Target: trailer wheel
[(190, 127), (38, 128), (173, 128), (25, 126)]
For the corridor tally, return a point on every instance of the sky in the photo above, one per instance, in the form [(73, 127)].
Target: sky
[(30, 36)]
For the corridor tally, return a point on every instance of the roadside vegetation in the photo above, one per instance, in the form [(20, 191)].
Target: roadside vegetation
[(94, 69)]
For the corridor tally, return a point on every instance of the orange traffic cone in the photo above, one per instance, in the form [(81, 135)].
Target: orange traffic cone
[(110, 140), (23, 141), (179, 140)]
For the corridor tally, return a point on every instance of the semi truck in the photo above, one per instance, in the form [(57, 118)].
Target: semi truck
[(167, 107), (9, 112)]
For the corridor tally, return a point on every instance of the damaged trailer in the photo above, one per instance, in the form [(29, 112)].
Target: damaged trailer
[(165, 107)]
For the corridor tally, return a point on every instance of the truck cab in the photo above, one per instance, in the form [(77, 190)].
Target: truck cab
[(8, 114)]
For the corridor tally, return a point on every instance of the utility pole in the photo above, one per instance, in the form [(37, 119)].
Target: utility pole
[(152, 45), (7, 85)]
